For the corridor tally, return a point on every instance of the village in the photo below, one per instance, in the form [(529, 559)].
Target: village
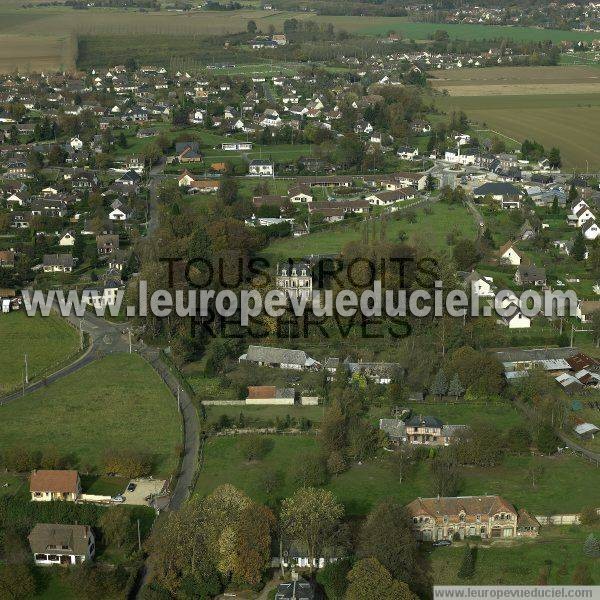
[(302, 462)]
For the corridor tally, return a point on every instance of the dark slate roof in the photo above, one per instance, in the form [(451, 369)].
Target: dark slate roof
[(427, 421), (496, 188)]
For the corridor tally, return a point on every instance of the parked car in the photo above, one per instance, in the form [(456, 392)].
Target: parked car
[(118, 498), (440, 543), (131, 487)]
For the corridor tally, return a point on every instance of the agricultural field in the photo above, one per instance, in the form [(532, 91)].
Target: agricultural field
[(523, 101), (115, 403), (429, 230), (566, 483), (36, 53), (48, 342)]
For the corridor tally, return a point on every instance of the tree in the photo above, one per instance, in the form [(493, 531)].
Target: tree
[(254, 447), (480, 445), (445, 474), (228, 190), (518, 439), (439, 387), (591, 546), (336, 463), (251, 27), (16, 582), (430, 183), (311, 471), (547, 441), (589, 515), (387, 536), (370, 580), (116, 526), (467, 566), (554, 158), (311, 517), (573, 194), (455, 388), (595, 325), (465, 254), (333, 579), (579, 248)]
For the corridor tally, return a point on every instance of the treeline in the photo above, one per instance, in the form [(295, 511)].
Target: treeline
[(371, 8)]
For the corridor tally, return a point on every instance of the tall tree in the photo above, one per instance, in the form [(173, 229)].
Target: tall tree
[(439, 387), (370, 580), (387, 536), (311, 517), (579, 248), (455, 388)]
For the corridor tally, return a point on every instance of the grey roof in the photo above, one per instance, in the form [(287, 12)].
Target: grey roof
[(534, 354), (531, 273), (427, 421), (50, 538), (268, 354), (496, 188), (63, 260)]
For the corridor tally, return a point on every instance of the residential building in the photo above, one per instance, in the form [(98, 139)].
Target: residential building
[(58, 263), (295, 280), (421, 431), (57, 544), (281, 358), (530, 275), (47, 485), (488, 517)]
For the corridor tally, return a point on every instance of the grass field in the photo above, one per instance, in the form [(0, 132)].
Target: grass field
[(521, 102), (566, 485), (115, 403), (48, 341), (520, 562), (429, 230)]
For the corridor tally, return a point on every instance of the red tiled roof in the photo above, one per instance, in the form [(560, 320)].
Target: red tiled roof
[(54, 481)]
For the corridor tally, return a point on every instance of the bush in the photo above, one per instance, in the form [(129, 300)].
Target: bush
[(547, 441), (589, 515), (127, 463), (311, 471)]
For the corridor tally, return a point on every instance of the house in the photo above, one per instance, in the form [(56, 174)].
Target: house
[(590, 230), (107, 243), (407, 153), (391, 197), (530, 275), (297, 589), (586, 309), (7, 259), (488, 517), (57, 544), (295, 280), (508, 255), (481, 286), (188, 152), (120, 213), (185, 180), (419, 430), (67, 238), (382, 373), (76, 143), (505, 193), (300, 194), (586, 431), (130, 178), (48, 485), (270, 118), (58, 263), (582, 215), (102, 296), (270, 395), (261, 168), (281, 358), (527, 231), (236, 146), (516, 319)]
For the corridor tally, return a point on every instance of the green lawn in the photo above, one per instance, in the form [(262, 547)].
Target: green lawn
[(567, 484), (261, 416), (520, 562), (117, 402), (429, 230), (47, 341)]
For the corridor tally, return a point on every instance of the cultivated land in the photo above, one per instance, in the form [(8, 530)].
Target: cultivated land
[(117, 403), (48, 342), (567, 484), (521, 102), (35, 53)]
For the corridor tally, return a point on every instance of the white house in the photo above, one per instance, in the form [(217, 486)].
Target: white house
[(590, 230), (185, 180), (76, 143), (261, 168), (270, 118), (586, 308), (509, 255), (101, 297), (57, 544), (583, 214), (122, 213), (67, 239)]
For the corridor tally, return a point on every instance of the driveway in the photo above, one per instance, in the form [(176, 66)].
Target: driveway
[(144, 488)]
